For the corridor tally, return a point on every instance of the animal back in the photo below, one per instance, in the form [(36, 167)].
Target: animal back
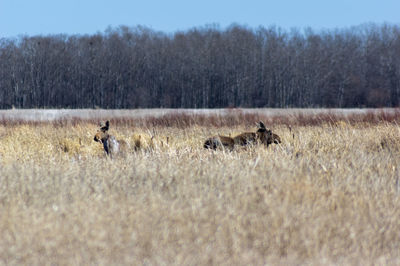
[(245, 139)]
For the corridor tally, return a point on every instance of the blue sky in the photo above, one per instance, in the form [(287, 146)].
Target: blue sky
[(33, 17)]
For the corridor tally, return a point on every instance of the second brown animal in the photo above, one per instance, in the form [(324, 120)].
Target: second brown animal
[(261, 136)]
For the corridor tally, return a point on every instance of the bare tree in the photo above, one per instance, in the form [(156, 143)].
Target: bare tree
[(205, 67)]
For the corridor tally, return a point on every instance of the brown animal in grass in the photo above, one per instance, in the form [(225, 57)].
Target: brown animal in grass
[(261, 136), (111, 145)]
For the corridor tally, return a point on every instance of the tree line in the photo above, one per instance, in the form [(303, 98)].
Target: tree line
[(205, 67)]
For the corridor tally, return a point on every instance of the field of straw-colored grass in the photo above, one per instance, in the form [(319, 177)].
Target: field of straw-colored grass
[(329, 194)]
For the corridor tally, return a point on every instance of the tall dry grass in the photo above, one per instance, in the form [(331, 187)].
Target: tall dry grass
[(329, 194)]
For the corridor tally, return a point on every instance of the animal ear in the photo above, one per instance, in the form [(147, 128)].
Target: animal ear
[(105, 127), (261, 125)]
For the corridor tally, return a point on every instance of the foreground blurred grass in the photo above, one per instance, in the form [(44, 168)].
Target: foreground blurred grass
[(329, 194)]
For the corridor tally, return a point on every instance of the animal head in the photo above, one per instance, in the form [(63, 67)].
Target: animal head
[(102, 134), (264, 135)]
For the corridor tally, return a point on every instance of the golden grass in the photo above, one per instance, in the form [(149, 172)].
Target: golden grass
[(328, 195)]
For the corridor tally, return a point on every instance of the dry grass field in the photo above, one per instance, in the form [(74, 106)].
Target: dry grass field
[(329, 194)]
